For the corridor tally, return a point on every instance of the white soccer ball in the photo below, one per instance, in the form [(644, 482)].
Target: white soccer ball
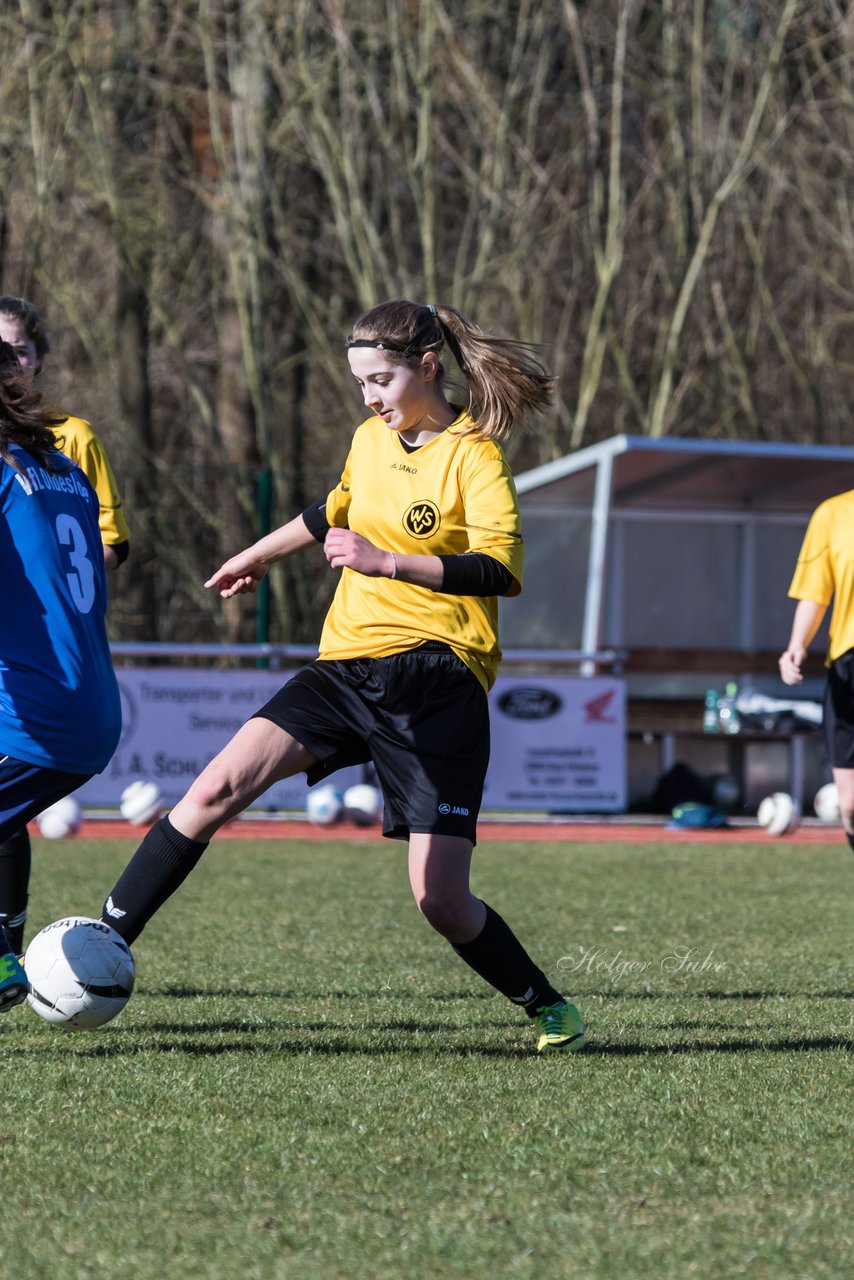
[(364, 804), (324, 806), (826, 803), (60, 819), (141, 803), (81, 973), (779, 814)]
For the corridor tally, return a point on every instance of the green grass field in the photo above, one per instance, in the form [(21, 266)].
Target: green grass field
[(309, 1084)]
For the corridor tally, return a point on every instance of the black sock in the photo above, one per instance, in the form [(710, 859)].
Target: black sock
[(850, 838), (160, 865), (15, 860), (499, 957)]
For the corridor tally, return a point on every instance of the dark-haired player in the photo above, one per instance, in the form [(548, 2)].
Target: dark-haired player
[(22, 327), (59, 702)]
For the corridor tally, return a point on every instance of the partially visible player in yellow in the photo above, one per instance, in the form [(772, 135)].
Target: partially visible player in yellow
[(22, 327), (424, 526), (25, 331), (825, 572)]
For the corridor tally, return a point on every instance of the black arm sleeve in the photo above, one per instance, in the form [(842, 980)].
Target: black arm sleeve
[(475, 574), (315, 519), (472, 574), (121, 549)]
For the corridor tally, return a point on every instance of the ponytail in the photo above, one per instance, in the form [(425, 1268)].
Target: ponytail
[(506, 383)]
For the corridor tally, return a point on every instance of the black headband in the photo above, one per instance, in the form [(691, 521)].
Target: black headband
[(392, 346), (383, 346)]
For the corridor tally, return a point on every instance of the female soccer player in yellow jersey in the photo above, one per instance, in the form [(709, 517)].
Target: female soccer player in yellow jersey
[(424, 526), (23, 328), (825, 572)]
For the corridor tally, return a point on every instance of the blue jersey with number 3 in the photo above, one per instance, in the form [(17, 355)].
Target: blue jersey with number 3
[(59, 700)]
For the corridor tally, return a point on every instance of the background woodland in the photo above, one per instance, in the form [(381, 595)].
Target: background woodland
[(201, 195)]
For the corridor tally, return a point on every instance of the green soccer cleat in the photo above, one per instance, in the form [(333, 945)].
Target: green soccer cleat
[(13, 981), (560, 1027)]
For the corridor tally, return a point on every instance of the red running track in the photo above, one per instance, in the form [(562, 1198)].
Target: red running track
[(578, 832)]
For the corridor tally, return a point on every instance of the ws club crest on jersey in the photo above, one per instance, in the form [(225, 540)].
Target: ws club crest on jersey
[(421, 519)]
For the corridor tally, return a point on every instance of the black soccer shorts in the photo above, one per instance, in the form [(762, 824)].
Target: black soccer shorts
[(27, 789), (839, 711), (421, 718)]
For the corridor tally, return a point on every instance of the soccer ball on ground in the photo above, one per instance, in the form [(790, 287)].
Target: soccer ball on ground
[(826, 803), (141, 803), (324, 806), (779, 814), (81, 973), (60, 819), (364, 804)]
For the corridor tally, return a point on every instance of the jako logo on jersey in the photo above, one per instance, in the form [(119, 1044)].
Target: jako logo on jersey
[(404, 466), (529, 704), (422, 518), (454, 808), (594, 710)]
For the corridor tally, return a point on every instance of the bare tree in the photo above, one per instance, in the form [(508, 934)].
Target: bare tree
[(202, 196), (735, 172)]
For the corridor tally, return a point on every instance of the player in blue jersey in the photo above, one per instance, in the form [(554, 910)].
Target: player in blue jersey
[(23, 328), (60, 714)]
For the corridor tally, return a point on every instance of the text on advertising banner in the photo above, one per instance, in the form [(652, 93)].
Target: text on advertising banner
[(558, 743)]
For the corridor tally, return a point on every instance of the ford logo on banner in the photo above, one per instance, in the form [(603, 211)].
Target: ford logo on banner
[(529, 703)]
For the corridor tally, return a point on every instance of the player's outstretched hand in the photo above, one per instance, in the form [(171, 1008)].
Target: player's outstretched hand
[(344, 547), (239, 575)]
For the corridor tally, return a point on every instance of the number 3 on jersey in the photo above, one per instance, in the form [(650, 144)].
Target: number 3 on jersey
[(81, 579)]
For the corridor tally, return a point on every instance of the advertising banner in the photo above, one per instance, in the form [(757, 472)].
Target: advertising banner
[(558, 743), (174, 721)]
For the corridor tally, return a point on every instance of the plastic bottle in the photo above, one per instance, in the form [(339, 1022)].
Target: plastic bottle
[(730, 721), (710, 712)]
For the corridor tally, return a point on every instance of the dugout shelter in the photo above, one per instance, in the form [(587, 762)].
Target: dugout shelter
[(677, 554)]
